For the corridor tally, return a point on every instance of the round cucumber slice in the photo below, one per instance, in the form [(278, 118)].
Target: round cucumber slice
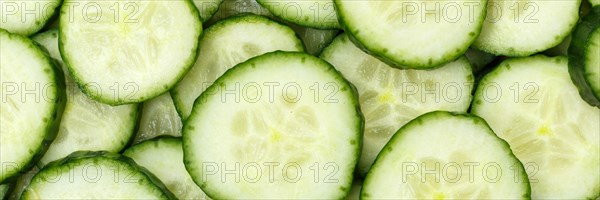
[(391, 97), (523, 28), (128, 58), (86, 124), (315, 14), (440, 155), (27, 17), (413, 34), (163, 156), (584, 57), (222, 47), (246, 141), (95, 175), (533, 104), (33, 99)]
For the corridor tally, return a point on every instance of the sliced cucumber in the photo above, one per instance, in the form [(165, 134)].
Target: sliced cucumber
[(262, 143), (95, 175), (26, 17), (22, 182), (315, 40), (440, 155), (163, 157), (355, 190), (522, 28), (584, 57), (159, 117), (128, 58), (32, 103), (207, 8), (533, 105), (391, 97), (315, 14), (479, 59), (87, 124), (221, 47), (236, 7), (408, 34)]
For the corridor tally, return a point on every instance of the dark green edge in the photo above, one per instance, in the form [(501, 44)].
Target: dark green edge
[(134, 115), (213, 31), (403, 64), (109, 100), (316, 25), (241, 68), (330, 50), (577, 56), (514, 53), (43, 22), (168, 139), (53, 123), (210, 12), (505, 66), (91, 155), (419, 121), (5, 192)]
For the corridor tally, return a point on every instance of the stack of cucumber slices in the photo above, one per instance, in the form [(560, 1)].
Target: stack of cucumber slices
[(300, 99)]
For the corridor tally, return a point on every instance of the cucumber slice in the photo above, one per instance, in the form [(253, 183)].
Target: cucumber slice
[(86, 124), (523, 28), (221, 48), (315, 14), (26, 17), (391, 97), (584, 57), (262, 143), (355, 190), (440, 155), (479, 59), (33, 99), (315, 40), (22, 182), (163, 157), (236, 7), (533, 105), (408, 34), (128, 58), (95, 175), (159, 117), (207, 8)]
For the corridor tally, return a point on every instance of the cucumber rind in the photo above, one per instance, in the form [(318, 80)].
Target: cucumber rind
[(123, 117), (150, 92), (240, 68), (164, 141), (577, 57), (206, 13), (87, 155), (491, 79), (390, 59), (54, 118), (419, 121), (505, 46), (178, 93), (302, 20), (32, 28)]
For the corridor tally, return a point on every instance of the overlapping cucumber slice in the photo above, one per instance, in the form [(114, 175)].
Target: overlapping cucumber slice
[(533, 105)]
